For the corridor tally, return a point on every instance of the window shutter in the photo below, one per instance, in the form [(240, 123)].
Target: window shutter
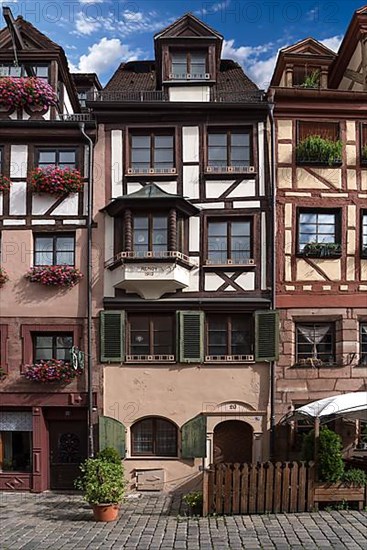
[(191, 336), (112, 332), (111, 433), (266, 335), (193, 438)]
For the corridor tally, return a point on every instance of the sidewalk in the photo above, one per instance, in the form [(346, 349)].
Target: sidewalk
[(154, 522)]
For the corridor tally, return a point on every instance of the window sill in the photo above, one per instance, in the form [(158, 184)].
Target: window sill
[(155, 359), (249, 264), (317, 365), (331, 256), (229, 359), (318, 163), (171, 173), (230, 171)]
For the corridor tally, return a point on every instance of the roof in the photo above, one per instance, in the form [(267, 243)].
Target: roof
[(137, 76), (188, 20), (86, 78)]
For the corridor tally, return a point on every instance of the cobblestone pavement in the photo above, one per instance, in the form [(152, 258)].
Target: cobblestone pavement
[(150, 522)]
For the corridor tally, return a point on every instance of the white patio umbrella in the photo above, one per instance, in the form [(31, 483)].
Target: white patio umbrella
[(350, 405)]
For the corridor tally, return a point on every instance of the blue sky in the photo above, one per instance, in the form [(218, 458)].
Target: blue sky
[(97, 35)]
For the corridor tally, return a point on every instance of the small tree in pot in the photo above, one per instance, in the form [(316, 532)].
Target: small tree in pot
[(103, 484)]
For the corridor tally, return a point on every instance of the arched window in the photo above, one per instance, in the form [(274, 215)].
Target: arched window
[(154, 437)]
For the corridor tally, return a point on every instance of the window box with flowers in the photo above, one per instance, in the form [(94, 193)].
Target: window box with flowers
[(3, 277), (5, 183), (56, 181), (55, 275), (52, 370), (319, 151), (32, 93), (322, 250)]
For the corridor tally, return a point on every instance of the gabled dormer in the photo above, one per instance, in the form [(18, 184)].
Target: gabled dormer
[(304, 64), (187, 52)]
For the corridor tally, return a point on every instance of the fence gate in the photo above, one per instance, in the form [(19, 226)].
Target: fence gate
[(258, 488)]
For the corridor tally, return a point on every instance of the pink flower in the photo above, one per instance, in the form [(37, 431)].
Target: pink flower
[(64, 276)]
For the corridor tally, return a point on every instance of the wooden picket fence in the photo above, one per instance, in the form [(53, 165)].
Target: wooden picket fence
[(258, 488)]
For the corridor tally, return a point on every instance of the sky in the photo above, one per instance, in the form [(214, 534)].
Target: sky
[(97, 35)]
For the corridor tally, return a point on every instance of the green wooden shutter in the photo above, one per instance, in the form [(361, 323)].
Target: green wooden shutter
[(193, 438), (111, 433), (191, 336), (266, 335), (112, 333)]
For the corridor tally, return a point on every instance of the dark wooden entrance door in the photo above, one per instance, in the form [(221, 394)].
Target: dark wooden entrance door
[(68, 448), (232, 442)]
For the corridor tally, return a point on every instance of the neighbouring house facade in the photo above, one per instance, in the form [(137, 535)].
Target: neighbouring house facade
[(321, 156), (187, 279), (43, 419)]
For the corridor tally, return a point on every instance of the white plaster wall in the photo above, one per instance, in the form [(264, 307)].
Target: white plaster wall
[(191, 181), (263, 251), (116, 163), (109, 237), (246, 280), (261, 158), (41, 203), (244, 189), (194, 234), (168, 186), (69, 206), (212, 282), (18, 198), (189, 93), (215, 188), (246, 204), (190, 144), (193, 278), (18, 161), (68, 109), (1, 204)]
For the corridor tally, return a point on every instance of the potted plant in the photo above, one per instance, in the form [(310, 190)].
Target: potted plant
[(317, 150), (322, 250), (194, 500), (5, 183), (56, 181), (103, 484), (312, 80), (26, 92), (3, 277), (55, 275), (52, 370)]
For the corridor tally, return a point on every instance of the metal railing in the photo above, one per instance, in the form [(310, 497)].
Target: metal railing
[(76, 117), (157, 96)]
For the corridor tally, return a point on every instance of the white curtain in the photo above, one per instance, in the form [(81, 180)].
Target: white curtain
[(314, 335)]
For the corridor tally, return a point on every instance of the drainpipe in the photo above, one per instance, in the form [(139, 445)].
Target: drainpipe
[(274, 272), (89, 293)]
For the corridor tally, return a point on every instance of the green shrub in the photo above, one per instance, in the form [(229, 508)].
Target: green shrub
[(101, 481), (109, 454), (355, 476), (194, 500), (317, 149), (312, 80), (330, 459)]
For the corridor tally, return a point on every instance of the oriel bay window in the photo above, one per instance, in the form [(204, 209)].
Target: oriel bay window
[(229, 336), (315, 344), (229, 241), (150, 337), (150, 234), (154, 437), (54, 249), (319, 233), (63, 158), (229, 150), (189, 65), (48, 346), (152, 153)]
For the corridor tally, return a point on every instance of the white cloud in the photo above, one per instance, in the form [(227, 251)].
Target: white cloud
[(333, 42), (91, 1), (103, 56), (262, 71), (251, 59), (86, 25), (209, 9)]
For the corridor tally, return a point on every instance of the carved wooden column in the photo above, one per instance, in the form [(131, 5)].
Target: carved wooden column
[(172, 230), (289, 76), (324, 78), (128, 230)]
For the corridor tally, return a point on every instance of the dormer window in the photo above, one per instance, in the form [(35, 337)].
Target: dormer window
[(189, 65)]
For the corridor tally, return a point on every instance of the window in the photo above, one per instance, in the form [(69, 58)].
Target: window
[(302, 75), (364, 235), (229, 241), (364, 144), (229, 335), (191, 63), (150, 234), (152, 153), (54, 250), (82, 95), (48, 346), (315, 343), (41, 71), (151, 335), (1, 160), (154, 437), (15, 451), (319, 227), (363, 328), (64, 158), (229, 148), (326, 130)]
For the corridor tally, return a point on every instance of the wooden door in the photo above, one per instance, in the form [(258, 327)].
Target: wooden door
[(232, 442), (68, 448)]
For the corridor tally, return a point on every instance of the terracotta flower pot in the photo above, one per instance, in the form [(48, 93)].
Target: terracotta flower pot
[(106, 512)]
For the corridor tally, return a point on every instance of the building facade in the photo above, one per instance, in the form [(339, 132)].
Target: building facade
[(187, 279), (43, 426), (320, 153)]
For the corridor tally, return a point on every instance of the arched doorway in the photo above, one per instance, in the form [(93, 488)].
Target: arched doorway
[(232, 442)]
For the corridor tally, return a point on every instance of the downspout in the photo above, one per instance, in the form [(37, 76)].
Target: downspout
[(273, 271), (89, 293)]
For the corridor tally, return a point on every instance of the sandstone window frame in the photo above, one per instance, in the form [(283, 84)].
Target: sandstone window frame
[(363, 343), (315, 358)]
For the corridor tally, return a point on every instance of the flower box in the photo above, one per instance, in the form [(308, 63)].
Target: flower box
[(56, 181), (322, 250), (5, 183), (319, 151), (55, 275), (53, 370), (338, 492), (3, 276), (24, 92)]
